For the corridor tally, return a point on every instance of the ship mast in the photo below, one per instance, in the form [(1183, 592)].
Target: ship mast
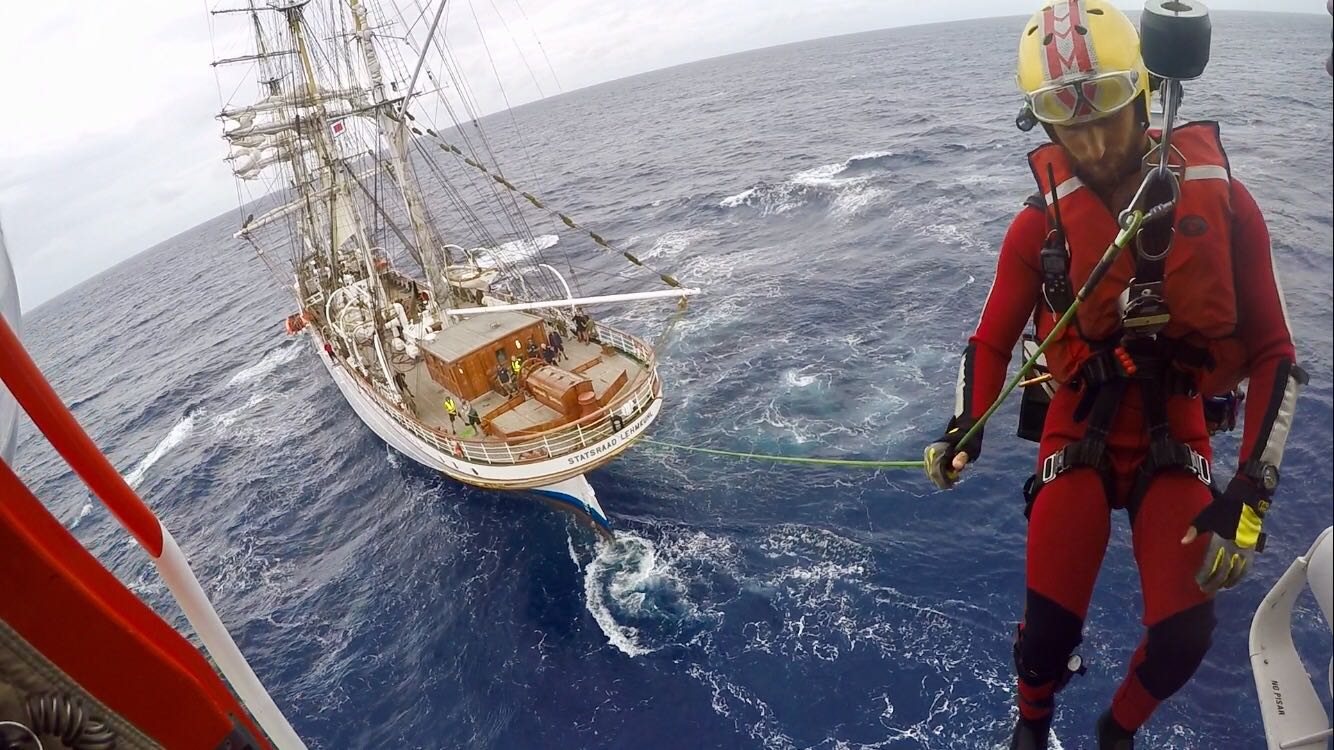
[(341, 206), (393, 125)]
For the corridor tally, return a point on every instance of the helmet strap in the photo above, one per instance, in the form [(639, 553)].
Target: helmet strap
[(1142, 111)]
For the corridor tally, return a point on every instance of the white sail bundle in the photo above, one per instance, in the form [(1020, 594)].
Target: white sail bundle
[(350, 98)]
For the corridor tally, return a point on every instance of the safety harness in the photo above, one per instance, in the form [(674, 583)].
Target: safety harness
[(1140, 357)]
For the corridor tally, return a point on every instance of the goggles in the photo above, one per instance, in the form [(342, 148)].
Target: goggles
[(1085, 99)]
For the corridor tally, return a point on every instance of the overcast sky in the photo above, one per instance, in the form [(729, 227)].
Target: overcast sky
[(109, 146)]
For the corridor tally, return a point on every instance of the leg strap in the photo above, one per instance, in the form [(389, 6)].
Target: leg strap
[(1166, 454), (1088, 452), (1165, 451)]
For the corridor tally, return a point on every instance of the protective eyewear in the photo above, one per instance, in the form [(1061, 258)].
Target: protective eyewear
[(1085, 99)]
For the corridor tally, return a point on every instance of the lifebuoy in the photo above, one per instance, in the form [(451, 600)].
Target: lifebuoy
[(617, 423)]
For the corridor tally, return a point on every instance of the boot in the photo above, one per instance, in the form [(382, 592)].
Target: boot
[(1031, 735), (1111, 736)]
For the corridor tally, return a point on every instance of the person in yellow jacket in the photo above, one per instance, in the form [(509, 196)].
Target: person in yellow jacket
[(452, 409)]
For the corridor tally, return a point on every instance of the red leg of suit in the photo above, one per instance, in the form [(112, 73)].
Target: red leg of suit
[(1067, 537)]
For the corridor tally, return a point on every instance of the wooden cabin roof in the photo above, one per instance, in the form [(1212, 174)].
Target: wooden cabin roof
[(466, 336)]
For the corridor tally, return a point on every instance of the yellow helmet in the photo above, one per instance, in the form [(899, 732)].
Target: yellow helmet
[(1079, 60)]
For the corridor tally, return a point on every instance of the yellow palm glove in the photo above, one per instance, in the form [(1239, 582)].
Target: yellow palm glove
[(939, 457), (1234, 520)]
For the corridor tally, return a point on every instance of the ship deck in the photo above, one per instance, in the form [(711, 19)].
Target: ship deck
[(602, 365)]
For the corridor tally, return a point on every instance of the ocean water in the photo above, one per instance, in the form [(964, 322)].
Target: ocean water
[(841, 202)]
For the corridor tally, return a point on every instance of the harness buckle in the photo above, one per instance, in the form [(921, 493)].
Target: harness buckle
[(1168, 454), (1199, 466), (1052, 466), (1146, 312)]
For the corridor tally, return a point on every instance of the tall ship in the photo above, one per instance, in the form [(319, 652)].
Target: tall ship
[(418, 275)]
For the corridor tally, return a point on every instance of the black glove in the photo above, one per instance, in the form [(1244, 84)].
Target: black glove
[(939, 456), (1234, 519)]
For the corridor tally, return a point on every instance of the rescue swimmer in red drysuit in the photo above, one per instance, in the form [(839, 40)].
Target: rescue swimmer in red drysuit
[(1126, 425)]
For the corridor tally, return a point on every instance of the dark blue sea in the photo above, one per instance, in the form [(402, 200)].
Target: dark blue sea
[(841, 202)]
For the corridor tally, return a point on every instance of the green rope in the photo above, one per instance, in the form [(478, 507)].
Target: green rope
[(1123, 237), (850, 462)]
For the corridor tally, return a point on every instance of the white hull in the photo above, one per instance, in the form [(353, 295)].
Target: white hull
[(560, 479)]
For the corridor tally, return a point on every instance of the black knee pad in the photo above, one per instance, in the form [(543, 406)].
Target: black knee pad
[(1050, 634), (1174, 648)]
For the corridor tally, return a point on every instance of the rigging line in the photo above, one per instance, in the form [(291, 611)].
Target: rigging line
[(222, 104), (421, 62), (597, 239), (470, 217), (408, 27), (522, 57), (520, 225), (469, 108), (515, 220), (509, 109), (482, 235), (423, 51), (532, 164), (778, 458), (681, 306), (609, 274), (465, 210), (533, 30), (381, 214)]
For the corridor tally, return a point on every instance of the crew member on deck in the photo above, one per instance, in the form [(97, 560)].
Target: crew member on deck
[(452, 409), (582, 326), (557, 344), (516, 365), (505, 379)]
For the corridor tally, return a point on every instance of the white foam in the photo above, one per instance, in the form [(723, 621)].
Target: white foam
[(872, 155), (83, 513), (728, 697), (825, 175), (850, 203), (850, 194), (740, 199), (179, 432), (633, 579), (674, 242), (986, 179), (514, 250), (228, 418), (797, 378), (952, 234), (271, 361), (625, 559)]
